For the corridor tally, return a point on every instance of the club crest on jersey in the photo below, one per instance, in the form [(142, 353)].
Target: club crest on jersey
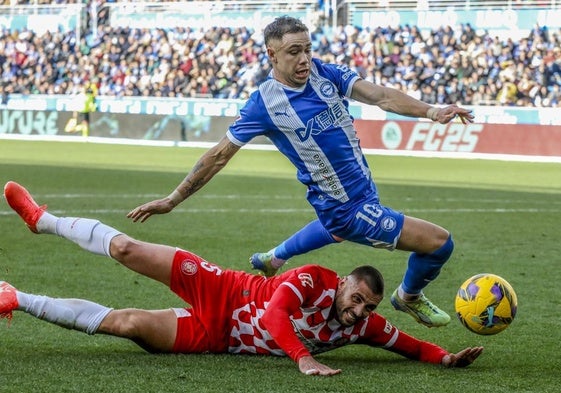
[(306, 280), (327, 89), (188, 267)]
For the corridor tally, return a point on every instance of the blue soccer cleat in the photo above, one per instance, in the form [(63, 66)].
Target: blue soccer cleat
[(262, 261)]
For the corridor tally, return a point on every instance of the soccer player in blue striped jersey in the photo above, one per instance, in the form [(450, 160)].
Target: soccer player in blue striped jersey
[(302, 108)]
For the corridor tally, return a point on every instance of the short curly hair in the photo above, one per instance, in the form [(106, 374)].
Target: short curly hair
[(281, 26)]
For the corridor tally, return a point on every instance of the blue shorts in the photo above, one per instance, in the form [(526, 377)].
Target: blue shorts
[(364, 221)]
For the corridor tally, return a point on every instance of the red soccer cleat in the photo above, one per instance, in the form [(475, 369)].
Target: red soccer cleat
[(22, 202), (8, 300)]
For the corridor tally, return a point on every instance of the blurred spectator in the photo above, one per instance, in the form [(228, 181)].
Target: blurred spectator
[(554, 96), (4, 95), (441, 67), (483, 96)]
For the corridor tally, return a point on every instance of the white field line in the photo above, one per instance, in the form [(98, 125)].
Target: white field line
[(297, 196), (89, 212), (381, 152), (548, 206)]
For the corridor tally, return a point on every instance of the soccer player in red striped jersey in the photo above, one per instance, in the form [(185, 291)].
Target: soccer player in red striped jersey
[(299, 313)]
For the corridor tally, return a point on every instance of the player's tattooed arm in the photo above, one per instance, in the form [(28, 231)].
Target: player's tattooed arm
[(206, 167)]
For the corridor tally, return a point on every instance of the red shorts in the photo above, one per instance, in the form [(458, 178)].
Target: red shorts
[(204, 327), (191, 335)]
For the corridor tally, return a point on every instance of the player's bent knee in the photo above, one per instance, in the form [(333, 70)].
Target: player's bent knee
[(125, 323), (443, 237), (422, 236), (122, 246), (154, 331), (444, 252)]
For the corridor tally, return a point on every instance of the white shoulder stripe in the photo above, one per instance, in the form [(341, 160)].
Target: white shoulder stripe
[(392, 340), (288, 121), (295, 290)]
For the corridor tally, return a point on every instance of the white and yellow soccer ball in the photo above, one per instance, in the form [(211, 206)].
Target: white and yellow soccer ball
[(486, 304)]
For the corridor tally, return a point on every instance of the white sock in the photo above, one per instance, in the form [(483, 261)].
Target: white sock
[(46, 223), (89, 234), (276, 262), (76, 314)]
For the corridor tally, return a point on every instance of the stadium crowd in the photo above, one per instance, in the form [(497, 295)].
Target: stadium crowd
[(444, 67)]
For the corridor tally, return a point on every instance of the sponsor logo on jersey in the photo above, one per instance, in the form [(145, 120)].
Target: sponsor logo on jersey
[(347, 72), (388, 328), (324, 120), (282, 113)]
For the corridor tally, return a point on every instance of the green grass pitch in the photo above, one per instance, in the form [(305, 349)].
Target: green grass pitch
[(505, 218)]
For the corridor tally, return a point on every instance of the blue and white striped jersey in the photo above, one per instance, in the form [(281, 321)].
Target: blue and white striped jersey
[(311, 126)]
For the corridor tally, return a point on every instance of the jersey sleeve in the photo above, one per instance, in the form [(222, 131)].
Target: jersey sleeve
[(381, 333), (297, 291), (276, 319), (250, 123), (341, 75)]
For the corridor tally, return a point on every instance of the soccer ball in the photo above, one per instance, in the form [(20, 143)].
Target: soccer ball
[(486, 304)]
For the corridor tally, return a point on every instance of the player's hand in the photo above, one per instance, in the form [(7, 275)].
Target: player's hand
[(447, 114), (309, 366), (463, 358), (143, 212)]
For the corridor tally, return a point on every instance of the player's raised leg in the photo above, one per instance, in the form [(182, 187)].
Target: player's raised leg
[(21, 201), (151, 260)]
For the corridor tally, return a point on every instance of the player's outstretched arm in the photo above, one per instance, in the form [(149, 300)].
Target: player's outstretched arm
[(393, 100), (208, 165), (447, 114), (309, 366), (463, 358), (143, 212)]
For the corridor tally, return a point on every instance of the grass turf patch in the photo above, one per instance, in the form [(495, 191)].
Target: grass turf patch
[(504, 218)]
